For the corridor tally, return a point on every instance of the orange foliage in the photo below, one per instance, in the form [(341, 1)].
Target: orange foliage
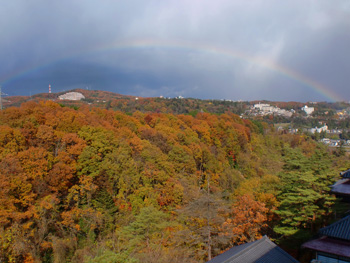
[(73, 173), (248, 218)]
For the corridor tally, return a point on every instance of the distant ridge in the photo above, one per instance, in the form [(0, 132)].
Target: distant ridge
[(91, 96), (178, 105)]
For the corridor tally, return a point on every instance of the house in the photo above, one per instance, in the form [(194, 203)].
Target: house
[(333, 244), (319, 130), (345, 174), (259, 251), (342, 187)]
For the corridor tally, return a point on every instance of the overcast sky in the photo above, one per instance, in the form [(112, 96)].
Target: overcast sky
[(291, 50)]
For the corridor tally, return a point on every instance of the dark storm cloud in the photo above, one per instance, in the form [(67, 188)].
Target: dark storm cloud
[(308, 37)]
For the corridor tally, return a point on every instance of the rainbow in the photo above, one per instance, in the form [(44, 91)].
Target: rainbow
[(187, 46)]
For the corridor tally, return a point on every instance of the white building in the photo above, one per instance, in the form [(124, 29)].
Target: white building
[(319, 130), (72, 96), (308, 110), (261, 106), (285, 113), (268, 109)]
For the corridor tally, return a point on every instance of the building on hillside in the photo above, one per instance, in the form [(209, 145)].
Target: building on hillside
[(324, 128), (333, 244), (334, 143), (264, 107), (346, 174), (308, 110), (261, 106), (284, 113), (259, 251), (342, 187), (72, 96)]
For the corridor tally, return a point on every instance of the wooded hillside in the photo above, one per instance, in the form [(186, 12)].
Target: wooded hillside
[(95, 185)]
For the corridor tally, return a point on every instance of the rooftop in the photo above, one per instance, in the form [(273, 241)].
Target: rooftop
[(329, 245), (260, 251), (345, 174), (339, 230), (341, 187), (335, 239)]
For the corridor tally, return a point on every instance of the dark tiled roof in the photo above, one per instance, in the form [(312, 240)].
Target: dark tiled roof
[(260, 251), (345, 174), (329, 245), (341, 187), (340, 229)]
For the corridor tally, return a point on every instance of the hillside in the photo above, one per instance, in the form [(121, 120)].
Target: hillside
[(93, 96), (88, 184), (324, 112), (130, 104)]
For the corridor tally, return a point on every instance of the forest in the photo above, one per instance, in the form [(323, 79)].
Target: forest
[(87, 184)]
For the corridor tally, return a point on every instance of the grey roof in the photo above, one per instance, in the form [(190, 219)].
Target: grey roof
[(260, 251), (329, 245), (345, 174), (340, 229), (341, 187)]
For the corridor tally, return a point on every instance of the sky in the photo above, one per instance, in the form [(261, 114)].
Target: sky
[(291, 50)]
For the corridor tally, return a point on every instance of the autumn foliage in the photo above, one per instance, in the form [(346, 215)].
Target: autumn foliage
[(90, 184)]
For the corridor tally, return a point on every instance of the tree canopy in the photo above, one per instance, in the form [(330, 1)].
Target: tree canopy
[(95, 185)]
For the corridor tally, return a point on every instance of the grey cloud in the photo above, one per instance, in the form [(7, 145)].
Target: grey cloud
[(309, 37)]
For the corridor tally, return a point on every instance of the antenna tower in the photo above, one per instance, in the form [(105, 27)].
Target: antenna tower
[(49, 88)]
